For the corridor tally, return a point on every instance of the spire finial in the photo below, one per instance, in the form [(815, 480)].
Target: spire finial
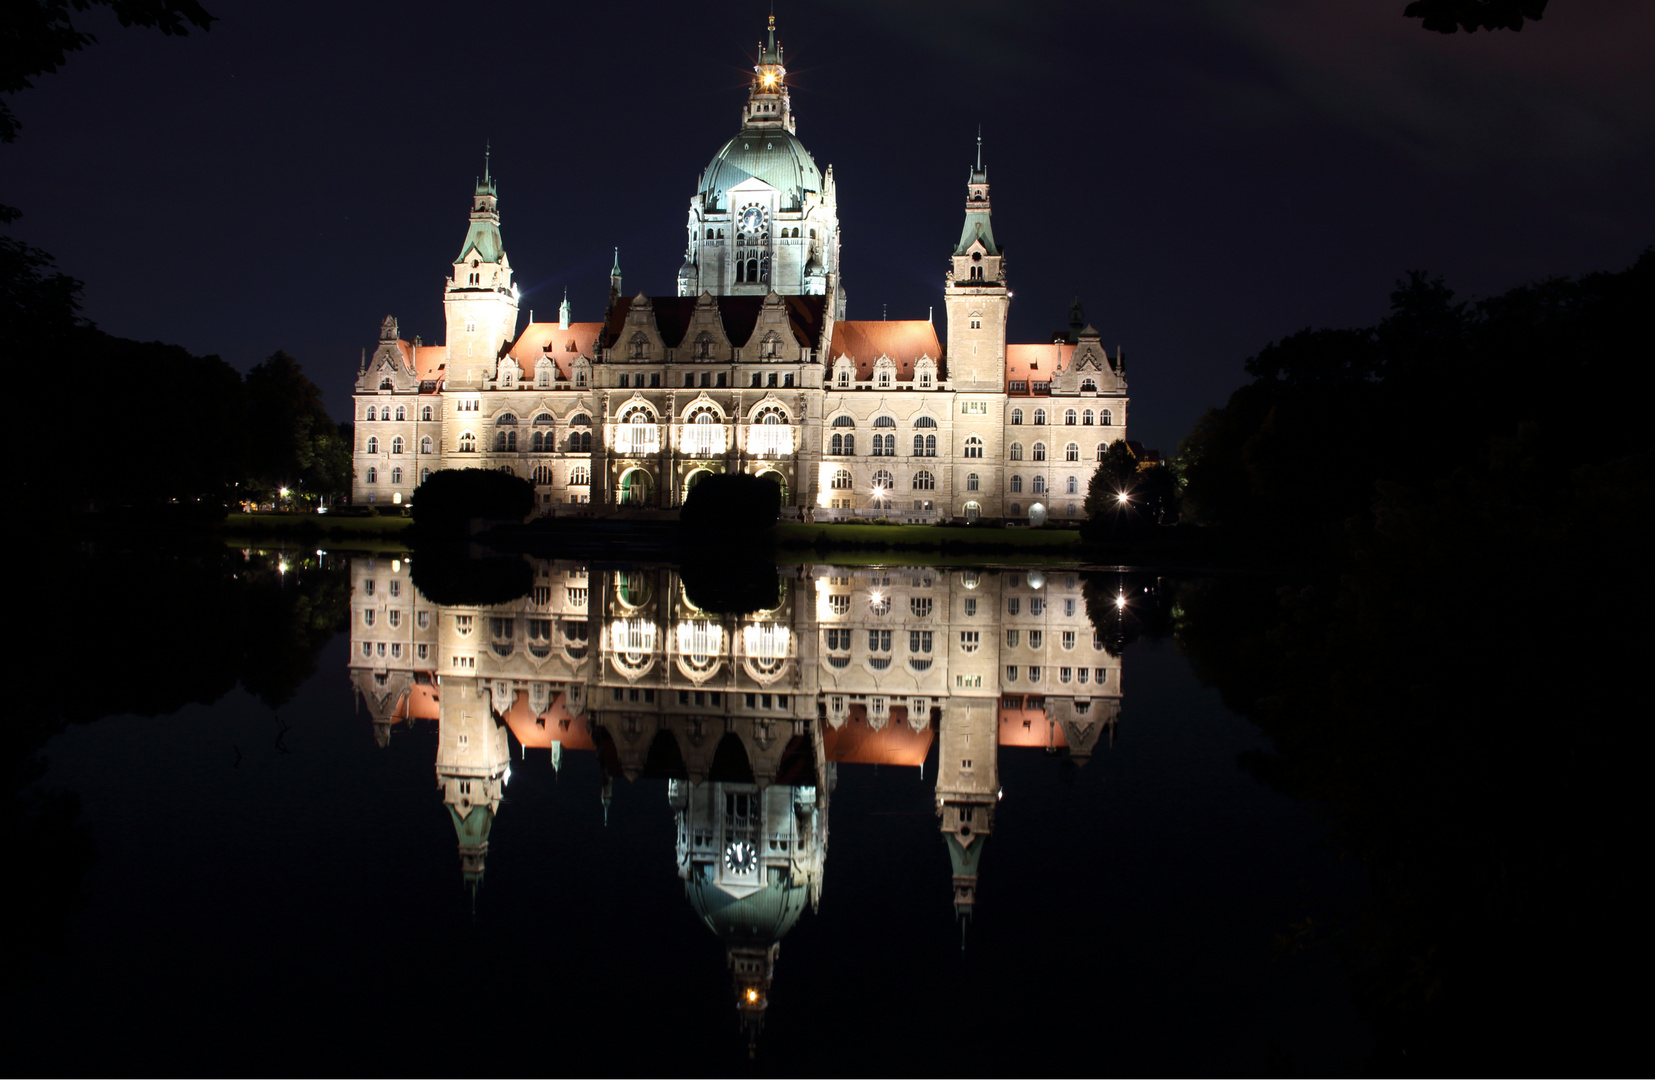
[(979, 148), (488, 148), (616, 269)]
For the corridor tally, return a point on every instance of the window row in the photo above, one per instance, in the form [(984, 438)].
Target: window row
[(1064, 674), (1084, 418), (373, 648), (1037, 485), (396, 475), (1037, 452), (883, 482)]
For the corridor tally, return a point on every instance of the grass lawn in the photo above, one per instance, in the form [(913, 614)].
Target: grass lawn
[(326, 523), (798, 534)]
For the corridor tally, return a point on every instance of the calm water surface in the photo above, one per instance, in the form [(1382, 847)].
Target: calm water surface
[(882, 824)]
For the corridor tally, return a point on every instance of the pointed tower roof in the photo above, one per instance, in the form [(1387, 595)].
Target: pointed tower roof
[(482, 239), (978, 224)]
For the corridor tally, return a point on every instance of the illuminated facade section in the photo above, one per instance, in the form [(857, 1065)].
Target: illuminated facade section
[(752, 367)]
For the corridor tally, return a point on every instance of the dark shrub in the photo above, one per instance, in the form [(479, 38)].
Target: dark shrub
[(451, 498), (731, 506), (448, 577)]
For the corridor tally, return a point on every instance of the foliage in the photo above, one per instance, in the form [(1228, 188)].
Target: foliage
[(450, 499), (1330, 413), (729, 506), (292, 442), (444, 575), (738, 587), (39, 36), (1449, 16)]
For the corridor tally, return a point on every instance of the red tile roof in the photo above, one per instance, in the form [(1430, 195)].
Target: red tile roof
[(895, 744), (563, 346), (556, 723), (1035, 363), (1038, 730), (425, 361), (903, 340)]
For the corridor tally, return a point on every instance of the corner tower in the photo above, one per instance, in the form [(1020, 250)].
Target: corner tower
[(480, 300), (975, 294), (764, 217)]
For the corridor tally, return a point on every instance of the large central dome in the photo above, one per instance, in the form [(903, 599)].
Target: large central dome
[(773, 155)]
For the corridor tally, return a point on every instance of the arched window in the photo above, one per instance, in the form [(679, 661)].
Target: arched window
[(396, 476), (579, 476), (924, 481), (424, 475), (543, 420), (537, 442), (580, 442), (838, 445), (1016, 509), (883, 482), (704, 434), (972, 483), (884, 422), (506, 420), (425, 413), (843, 421), (1070, 417), (1017, 416), (884, 378), (468, 443), (580, 420), (841, 480), (373, 444), (1039, 451), (1108, 418), (974, 447), (1071, 452), (1088, 385), (1102, 448), (396, 445), (1016, 452), (1086, 418), (1038, 485), (1015, 484), (385, 384), (505, 441), (925, 421), (402, 414), (373, 413), (925, 446), (844, 377), (373, 476), (542, 475), (1040, 416), (425, 444), (638, 348), (1072, 487), (752, 269)]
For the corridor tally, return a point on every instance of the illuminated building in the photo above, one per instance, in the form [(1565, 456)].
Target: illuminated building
[(751, 367)]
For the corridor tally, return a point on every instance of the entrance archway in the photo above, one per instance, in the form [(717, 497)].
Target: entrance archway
[(695, 477), (1037, 514), (779, 480), (636, 485), (972, 511)]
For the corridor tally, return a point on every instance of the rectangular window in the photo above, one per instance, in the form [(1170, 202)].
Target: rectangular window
[(970, 640), (1100, 675), (1011, 672), (577, 597), (367, 618), (968, 682), (970, 606), (394, 617), (752, 701), (1013, 605), (1068, 639), (1034, 674), (974, 408), (1035, 639), (1069, 607), (1011, 639), (423, 620), (838, 604), (1064, 674), (1083, 674), (1037, 606)]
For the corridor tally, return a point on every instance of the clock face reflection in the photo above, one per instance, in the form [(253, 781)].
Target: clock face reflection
[(752, 218), (740, 857)]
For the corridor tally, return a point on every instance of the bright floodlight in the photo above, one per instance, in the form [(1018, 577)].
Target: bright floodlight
[(1121, 498), (1120, 601), (282, 492)]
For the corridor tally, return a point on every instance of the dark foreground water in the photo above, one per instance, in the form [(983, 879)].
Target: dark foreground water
[(606, 827)]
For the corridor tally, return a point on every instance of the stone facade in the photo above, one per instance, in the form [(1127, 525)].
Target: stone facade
[(752, 367)]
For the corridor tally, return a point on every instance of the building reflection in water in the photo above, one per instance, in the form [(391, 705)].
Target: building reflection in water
[(748, 717)]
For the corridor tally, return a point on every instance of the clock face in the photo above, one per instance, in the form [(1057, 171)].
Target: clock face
[(740, 857), (752, 219)]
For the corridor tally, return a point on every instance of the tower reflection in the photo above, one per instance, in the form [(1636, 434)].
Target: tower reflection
[(749, 716)]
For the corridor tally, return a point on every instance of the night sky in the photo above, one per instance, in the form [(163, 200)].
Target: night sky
[(1207, 176)]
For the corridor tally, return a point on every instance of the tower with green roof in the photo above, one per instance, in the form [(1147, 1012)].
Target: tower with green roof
[(479, 299)]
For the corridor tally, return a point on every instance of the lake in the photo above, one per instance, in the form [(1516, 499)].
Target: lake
[(929, 819)]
